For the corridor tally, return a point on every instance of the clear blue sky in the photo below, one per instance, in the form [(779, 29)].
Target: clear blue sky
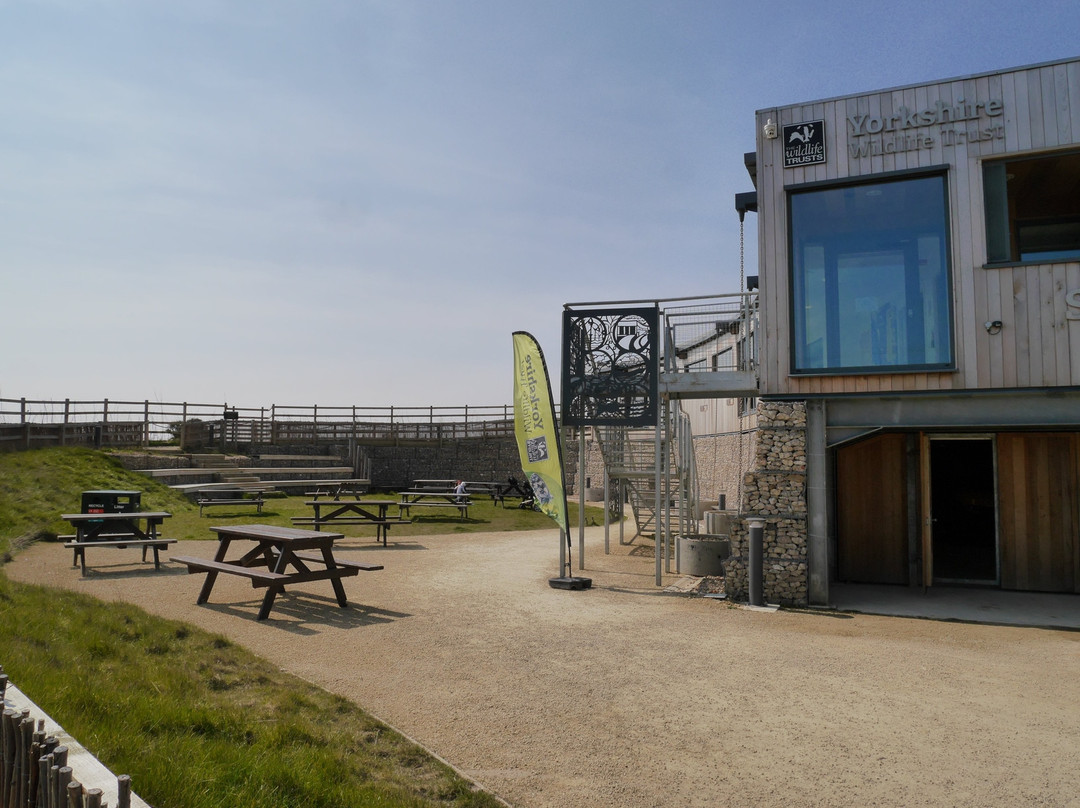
[(357, 201)]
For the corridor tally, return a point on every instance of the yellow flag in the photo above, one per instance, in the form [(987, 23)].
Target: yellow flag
[(537, 433)]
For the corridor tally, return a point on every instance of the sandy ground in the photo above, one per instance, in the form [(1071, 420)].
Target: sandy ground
[(629, 695)]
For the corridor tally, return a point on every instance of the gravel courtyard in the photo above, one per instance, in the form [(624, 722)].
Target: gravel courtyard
[(630, 695)]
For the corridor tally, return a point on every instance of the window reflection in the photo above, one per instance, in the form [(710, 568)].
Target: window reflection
[(870, 276)]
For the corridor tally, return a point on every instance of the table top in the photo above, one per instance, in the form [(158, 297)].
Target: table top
[(273, 533), (99, 517)]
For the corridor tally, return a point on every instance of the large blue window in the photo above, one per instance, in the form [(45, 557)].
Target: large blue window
[(870, 277)]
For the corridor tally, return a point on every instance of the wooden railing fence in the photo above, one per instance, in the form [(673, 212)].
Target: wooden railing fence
[(28, 423)]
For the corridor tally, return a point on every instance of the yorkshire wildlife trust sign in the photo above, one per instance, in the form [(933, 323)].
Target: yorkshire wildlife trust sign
[(952, 124), (804, 143)]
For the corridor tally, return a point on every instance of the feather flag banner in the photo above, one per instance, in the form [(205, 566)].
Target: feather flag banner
[(536, 430)]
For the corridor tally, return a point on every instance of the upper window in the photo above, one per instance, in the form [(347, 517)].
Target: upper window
[(870, 277), (1033, 208)]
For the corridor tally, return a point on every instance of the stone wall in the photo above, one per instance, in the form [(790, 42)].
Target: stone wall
[(774, 490), (142, 461)]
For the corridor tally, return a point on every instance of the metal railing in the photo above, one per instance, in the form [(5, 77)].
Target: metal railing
[(712, 334)]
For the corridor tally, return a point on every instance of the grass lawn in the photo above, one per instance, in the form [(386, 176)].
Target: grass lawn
[(37, 486), (195, 720)]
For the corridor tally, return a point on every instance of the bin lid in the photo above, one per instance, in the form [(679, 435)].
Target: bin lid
[(113, 492)]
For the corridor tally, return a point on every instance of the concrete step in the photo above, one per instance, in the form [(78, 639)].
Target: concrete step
[(238, 478)]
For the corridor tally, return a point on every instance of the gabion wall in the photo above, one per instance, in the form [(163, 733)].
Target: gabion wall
[(774, 490), (476, 459)]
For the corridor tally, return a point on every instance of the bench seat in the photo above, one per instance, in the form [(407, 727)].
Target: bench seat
[(349, 520), (206, 503), (357, 565), (258, 575), (463, 507), (118, 540)]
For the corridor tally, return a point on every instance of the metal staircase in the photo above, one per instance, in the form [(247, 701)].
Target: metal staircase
[(630, 457)]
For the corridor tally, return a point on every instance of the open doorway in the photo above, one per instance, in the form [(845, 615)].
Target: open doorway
[(963, 510)]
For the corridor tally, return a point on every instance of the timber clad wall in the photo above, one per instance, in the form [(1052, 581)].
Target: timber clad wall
[(872, 520), (1037, 476), (1038, 345)]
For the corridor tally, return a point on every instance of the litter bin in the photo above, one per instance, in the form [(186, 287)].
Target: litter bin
[(111, 501)]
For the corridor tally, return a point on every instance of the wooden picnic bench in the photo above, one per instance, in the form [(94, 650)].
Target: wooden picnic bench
[(209, 502), (472, 487), (117, 530), (277, 560), (345, 489), (353, 512), (434, 499)]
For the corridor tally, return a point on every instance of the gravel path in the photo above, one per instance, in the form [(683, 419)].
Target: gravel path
[(627, 695)]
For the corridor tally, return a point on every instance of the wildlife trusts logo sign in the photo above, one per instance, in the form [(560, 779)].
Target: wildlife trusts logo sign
[(804, 143)]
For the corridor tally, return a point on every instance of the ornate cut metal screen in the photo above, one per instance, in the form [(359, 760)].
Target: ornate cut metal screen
[(610, 367)]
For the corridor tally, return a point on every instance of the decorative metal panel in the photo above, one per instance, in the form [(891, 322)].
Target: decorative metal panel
[(610, 367)]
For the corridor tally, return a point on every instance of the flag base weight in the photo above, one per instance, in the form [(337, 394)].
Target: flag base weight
[(570, 582)]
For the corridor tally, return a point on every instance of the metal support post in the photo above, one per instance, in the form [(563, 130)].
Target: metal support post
[(757, 543)]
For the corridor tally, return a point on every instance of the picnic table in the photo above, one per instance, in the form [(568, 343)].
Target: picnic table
[(352, 512), (434, 499), (277, 560), (487, 488), (353, 489), (230, 499), (118, 530)]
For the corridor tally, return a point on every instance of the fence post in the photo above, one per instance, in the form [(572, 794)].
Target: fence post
[(22, 410), (146, 423)]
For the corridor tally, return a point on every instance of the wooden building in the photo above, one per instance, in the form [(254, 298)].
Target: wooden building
[(919, 253)]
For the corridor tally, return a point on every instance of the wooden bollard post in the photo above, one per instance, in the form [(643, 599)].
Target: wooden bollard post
[(60, 781), (7, 747), (63, 778), (123, 791), (42, 790), (33, 767), (74, 794), (93, 798), (23, 735)]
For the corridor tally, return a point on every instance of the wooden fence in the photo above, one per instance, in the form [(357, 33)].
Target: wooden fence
[(35, 770), (27, 423)]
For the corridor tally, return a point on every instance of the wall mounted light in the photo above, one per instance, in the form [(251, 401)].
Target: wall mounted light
[(769, 130), (993, 326)]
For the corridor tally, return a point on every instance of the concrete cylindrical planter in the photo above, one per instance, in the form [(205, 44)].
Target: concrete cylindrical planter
[(703, 556)]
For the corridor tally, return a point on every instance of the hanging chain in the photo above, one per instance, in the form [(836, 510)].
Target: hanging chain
[(746, 347), (742, 254)]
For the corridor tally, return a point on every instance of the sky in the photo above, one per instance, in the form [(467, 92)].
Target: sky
[(356, 202)]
